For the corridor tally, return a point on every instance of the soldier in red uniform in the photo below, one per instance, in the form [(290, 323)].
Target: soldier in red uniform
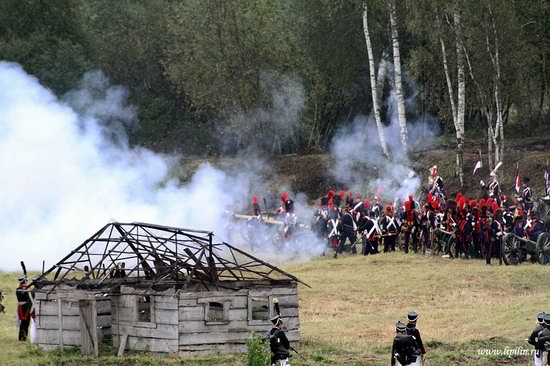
[(410, 220)]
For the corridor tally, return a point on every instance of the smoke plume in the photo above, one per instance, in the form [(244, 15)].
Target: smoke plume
[(360, 163), (67, 170)]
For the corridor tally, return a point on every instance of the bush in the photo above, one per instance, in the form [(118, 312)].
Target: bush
[(257, 353)]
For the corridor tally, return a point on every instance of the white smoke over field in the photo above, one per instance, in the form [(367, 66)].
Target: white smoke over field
[(67, 170), (360, 163)]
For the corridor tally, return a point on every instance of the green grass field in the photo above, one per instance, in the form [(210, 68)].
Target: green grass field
[(348, 314)]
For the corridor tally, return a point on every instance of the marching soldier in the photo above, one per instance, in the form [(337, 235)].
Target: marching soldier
[(404, 351), (371, 230), (24, 304), (412, 330), (278, 343), (538, 356)]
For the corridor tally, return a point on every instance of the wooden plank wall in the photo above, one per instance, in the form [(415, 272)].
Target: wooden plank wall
[(49, 328), (196, 336), (159, 335)]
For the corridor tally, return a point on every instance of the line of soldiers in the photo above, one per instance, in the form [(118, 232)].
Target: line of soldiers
[(473, 228), (540, 339)]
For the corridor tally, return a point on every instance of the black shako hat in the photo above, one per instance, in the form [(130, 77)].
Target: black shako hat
[(540, 317), (400, 327), (276, 320), (412, 316)]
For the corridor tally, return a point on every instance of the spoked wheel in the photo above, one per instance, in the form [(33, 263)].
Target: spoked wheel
[(435, 247), (543, 248), (510, 250)]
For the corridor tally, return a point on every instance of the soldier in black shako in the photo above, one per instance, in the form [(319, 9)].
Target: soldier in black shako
[(278, 343)]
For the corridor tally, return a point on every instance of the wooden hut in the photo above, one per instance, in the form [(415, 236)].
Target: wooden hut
[(161, 289)]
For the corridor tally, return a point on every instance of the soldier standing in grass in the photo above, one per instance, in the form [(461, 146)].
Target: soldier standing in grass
[(403, 351), (544, 337), (538, 356), (23, 308), (278, 343), (412, 330)]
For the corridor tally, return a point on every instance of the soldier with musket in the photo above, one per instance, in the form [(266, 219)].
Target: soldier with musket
[(526, 198), (493, 187), (278, 343), (404, 350)]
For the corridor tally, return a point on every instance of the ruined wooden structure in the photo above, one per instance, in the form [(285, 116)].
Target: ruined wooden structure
[(160, 289)]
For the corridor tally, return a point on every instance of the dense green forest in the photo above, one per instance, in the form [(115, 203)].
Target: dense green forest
[(216, 76)]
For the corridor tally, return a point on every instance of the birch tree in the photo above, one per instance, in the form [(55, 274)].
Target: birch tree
[(458, 106), (375, 88), (397, 77)]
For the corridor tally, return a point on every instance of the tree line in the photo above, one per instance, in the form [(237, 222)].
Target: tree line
[(217, 76)]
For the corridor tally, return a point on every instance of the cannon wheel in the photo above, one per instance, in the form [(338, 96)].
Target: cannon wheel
[(543, 248), (510, 250)]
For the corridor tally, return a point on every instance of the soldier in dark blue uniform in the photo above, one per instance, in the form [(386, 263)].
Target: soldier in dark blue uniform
[(24, 305), (534, 337), (348, 232), (526, 198), (403, 351), (412, 330), (278, 343)]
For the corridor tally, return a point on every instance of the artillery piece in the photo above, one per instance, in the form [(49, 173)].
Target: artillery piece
[(515, 249)]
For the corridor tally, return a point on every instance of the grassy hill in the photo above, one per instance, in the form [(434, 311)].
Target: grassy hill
[(348, 314)]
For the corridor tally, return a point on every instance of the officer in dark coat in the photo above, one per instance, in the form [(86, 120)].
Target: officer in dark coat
[(413, 331), (278, 342), (534, 337), (403, 351), (390, 228), (24, 304)]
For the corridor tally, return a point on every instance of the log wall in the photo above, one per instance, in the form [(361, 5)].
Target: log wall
[(199, 336), (159, 335), (58, 323)]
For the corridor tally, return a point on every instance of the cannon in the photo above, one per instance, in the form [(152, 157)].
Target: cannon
[(515, 249)]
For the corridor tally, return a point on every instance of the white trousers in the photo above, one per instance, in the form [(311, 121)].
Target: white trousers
[(281, 363), (418, 362), (538, 361)]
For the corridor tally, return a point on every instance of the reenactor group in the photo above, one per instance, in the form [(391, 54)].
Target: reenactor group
[(473, 228)]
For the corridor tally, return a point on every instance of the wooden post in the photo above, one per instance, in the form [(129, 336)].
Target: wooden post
[(60, 319)]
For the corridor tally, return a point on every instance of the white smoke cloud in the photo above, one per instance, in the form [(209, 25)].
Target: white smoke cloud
[(67, 170), (360, 163)]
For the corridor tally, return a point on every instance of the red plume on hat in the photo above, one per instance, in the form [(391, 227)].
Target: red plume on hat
[(430, 197), (495, 206), (407, 206), (458, 197), (330, 203), (342, 194), (481, 203), (254, 199), (473, 203), (461, 203), (489, 202), (284, 197), (330, 194), (411, 199)]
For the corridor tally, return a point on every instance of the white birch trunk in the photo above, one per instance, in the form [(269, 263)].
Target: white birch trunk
[(461, 95), (397, 77), (374, 84)]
